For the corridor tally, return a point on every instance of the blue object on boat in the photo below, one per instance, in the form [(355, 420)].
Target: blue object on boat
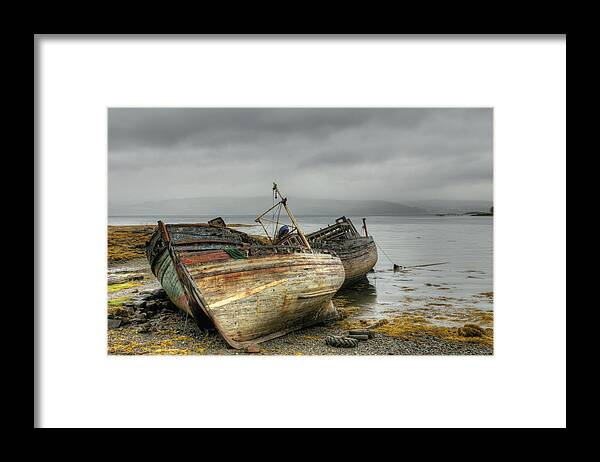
[(283, 231)]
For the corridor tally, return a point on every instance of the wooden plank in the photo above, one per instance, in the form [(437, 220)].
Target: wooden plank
[(247, 293), (207, 241)]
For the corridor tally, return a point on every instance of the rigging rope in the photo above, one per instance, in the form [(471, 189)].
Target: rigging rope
[(404, 267), (429, 264), (388, 257), (273, 221)]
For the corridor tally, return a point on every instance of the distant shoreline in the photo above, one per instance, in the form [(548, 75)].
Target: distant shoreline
[(299, 215), (466, 214), (247, 221)]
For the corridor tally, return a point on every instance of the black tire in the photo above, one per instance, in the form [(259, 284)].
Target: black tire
[(341, 342)]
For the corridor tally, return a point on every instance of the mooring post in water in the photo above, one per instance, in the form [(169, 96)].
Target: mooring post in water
[(365, 227)]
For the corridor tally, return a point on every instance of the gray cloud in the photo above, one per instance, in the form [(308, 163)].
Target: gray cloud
[(354, 153)]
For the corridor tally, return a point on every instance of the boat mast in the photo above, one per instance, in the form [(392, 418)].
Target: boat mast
[(291, 215)]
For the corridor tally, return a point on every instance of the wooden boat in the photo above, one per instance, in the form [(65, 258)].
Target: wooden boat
[(358, 253), (250, 292)]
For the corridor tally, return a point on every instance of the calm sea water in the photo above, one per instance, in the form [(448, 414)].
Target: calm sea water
[(463, 243)]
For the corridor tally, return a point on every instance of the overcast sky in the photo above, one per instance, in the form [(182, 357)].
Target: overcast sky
[(387, 154)]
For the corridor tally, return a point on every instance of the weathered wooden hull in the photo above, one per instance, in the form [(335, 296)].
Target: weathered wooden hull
[(358, 256), (249, 300), (358, 253)]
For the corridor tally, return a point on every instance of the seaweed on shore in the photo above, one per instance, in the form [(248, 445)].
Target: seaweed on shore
[(410, 324), (119, 300), (127, 242), (122, 286), (128, 341), (471, 330)]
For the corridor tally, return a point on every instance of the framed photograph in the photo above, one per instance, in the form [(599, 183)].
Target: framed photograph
[(380, 243)]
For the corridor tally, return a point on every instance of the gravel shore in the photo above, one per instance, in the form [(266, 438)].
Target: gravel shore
[(158, 327), (142, 321), (169, 333)]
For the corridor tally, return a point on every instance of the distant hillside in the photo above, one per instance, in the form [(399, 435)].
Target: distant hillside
[(255, 205), (451, 206)]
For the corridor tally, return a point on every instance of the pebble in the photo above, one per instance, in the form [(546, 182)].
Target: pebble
[(145, 328), (114, 323), (253, 349)]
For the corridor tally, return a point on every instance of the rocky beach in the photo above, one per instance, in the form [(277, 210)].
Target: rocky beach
[(142, 321)]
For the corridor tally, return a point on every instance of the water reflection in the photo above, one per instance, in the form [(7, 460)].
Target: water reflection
[(362, 294)]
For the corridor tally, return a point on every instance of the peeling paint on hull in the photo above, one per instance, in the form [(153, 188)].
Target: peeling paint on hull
[(358, 256), (358, 253), (249, 300)]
